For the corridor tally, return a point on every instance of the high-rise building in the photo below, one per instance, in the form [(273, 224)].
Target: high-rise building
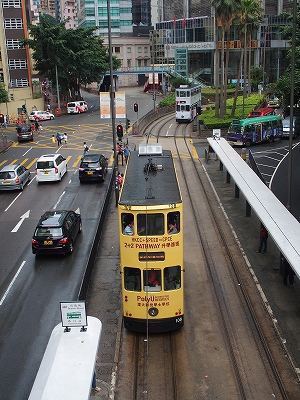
[(16, 65)]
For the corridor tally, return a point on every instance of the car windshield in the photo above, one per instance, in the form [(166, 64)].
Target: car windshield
[(48, 231), (45, 164), (7, 174)]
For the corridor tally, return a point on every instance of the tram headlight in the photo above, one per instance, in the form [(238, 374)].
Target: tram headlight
[(153, 312)]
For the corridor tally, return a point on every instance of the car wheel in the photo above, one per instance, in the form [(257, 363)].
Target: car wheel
[(248, 143), (71, 247), (51, 117)]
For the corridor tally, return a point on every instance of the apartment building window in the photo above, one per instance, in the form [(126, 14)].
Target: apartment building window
[(139, 49), (128, 49), (13, 23), (117, 50), (145, 63), (11, 3), (90, 12), (128, 63), (14, 83), (12, 44), (139, 63), (17, 64), (145, 49)]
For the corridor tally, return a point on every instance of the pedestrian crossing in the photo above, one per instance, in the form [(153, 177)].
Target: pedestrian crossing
[(98, 137)]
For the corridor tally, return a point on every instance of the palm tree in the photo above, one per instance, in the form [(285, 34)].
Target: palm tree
[(248, 19), (224, 11)]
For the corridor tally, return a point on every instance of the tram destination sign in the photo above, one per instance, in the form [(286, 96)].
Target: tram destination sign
[(73, 313), (152, 256)]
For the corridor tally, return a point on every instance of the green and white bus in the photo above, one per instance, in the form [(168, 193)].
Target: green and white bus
[(245, 132)]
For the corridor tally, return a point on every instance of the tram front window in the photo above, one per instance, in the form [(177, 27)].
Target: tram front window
[(174, 219), (132, 279), (152, 280), (150, 224), (172, 279)]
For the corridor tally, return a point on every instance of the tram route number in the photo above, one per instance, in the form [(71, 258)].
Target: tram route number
[(178, 320)]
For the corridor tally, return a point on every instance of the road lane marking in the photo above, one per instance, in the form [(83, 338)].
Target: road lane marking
[(33, 162), (13, 202), (11, 283), (24, 161), (22, 218), (60, 197)]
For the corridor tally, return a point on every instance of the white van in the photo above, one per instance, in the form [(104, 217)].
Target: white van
[(50, 167), (77, 107)]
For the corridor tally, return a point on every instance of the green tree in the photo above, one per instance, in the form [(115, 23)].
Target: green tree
[(225, 9), (3, 94), (282, 88), (78, 55), (247, 20), (256, 75)]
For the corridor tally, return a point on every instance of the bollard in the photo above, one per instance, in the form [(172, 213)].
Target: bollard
[(244, 155)]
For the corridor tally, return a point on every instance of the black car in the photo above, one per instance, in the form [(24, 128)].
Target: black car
[(93, 167), (24, 132), (56, 232)]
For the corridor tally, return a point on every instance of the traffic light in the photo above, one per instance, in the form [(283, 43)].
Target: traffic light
[(24, 108), (1, 119), (127, 123), (136, 107), (120, 131)]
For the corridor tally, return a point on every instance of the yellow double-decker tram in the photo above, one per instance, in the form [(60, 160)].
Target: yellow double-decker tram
[(151, 242)]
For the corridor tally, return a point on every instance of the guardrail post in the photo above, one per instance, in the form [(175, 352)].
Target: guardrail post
[(237, 192), (227, 177), (248, 209)]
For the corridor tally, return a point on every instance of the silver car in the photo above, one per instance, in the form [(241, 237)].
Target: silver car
[(14, 177), (286, 124)]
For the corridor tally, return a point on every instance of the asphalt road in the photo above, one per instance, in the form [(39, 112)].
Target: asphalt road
[(31, 288)]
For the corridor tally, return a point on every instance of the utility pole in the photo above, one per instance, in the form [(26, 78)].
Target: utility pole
[(112, 104)]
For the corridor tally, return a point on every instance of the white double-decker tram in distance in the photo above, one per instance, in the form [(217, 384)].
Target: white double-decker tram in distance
[(188, 102)]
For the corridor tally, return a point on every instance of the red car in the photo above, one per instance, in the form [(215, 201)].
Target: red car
[(262, 112)]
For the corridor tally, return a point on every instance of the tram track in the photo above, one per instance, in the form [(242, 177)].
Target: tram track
[(228, 347), (232, 264), (154, 362)]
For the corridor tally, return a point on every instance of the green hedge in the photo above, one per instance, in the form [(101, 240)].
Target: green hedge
[(208, 118)]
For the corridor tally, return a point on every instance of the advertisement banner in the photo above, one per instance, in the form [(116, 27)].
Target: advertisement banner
[(105, 105), (120, 105)]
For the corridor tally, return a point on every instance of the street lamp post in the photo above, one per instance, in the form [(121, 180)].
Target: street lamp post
[(112, 104), (153, 74), (245, 67), (290, 164)]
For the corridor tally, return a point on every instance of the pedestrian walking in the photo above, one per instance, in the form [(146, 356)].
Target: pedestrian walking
[(94, 382), (53, 140), (58, 138), (120, 180), (85, 148), (288, 273), (48, 107), (65, 138), (126, 152), (36, 124), (263, 240)]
